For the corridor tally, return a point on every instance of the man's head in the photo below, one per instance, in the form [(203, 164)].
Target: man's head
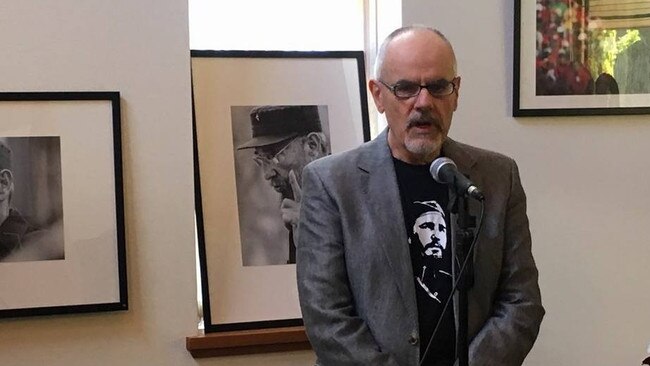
[(418, 119), (430, 228), (285, 139), (6, 178)]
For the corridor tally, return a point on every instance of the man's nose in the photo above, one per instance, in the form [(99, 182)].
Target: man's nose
[(424, 99), (268, 170)]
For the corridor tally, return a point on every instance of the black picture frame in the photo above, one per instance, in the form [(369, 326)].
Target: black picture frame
[(227, 86), (77, 263), (540, 87)]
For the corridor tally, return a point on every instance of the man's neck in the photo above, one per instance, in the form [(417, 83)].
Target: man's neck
[(408, 157), (4, 212)]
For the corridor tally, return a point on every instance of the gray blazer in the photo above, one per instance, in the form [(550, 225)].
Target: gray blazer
[(355, 279)]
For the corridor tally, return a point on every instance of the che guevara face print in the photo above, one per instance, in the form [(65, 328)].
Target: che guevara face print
[(431, 230)]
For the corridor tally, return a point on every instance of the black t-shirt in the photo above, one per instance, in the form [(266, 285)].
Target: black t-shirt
[(424, 202)]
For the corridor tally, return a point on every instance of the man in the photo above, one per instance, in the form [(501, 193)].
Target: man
[(285, 139), (358, 276), (19, 240)]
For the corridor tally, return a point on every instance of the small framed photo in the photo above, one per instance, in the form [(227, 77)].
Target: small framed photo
[(259, 118), (580, 57), (62, 247)]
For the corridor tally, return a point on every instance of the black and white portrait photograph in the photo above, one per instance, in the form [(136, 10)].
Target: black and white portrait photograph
[(31, 207), (62, 242), (255, 131), (273, 143)]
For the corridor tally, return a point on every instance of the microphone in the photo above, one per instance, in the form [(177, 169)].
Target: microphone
[(444, 170)]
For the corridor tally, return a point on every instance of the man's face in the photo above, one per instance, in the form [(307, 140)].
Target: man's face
[(418, 125), (278, 160), (431, 231)]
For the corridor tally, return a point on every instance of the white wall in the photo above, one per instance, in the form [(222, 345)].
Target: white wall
[(588, 229), (139, 48), (586, 181)]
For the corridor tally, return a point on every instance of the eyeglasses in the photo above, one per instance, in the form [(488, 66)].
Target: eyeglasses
[(261, 158), (407, 89)]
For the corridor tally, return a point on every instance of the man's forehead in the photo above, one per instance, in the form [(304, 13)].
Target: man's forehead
[(429, 216), (419, 51), (272, 149), (418, 38), (265, 150)]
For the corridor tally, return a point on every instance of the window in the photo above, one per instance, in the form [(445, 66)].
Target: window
[(295, 25)]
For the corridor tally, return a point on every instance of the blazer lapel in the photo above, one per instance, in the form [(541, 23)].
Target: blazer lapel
[(454, 151), (466, 164), (380, 183)]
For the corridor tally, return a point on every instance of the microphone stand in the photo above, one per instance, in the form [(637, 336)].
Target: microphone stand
[(461, 235), (462, 240)]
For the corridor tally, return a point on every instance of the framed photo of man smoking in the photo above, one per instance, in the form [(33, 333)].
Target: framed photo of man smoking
[(259, 118), (62, 247), (581, 57)]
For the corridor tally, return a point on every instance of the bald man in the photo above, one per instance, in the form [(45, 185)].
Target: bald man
[(370, 292)]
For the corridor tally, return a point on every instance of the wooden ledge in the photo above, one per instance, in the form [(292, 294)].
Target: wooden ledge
[(248, 341)]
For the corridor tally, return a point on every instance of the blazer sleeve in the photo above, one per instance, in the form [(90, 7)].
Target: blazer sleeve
[(338, 336), (509, 334)]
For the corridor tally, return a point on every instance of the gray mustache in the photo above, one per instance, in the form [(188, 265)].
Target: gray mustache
[(424, 120)]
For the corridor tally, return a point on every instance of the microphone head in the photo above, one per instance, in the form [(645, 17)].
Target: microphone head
[(438, 172)]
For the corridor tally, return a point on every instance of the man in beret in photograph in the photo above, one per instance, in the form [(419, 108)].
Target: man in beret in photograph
[(19, 240), (286, 138)]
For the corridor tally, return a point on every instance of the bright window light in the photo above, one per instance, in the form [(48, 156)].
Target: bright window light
[(296, 25)]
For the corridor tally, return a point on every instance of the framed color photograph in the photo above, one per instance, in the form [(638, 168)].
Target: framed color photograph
[(62, 244), (260, 117), (581, 57)]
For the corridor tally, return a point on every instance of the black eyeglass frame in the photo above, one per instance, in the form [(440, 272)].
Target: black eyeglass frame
[(392, 88)]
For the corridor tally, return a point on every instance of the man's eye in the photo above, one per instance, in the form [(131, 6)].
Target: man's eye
[(438, 87), (407, 88), (263, 156), (442, 87)]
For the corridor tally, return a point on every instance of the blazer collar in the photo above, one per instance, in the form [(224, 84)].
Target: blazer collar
[(378, 154), (456, 152)]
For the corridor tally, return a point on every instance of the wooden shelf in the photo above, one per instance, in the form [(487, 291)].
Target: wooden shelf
[(248, 341)]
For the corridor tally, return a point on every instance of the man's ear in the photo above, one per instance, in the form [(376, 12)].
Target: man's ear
[(314, 145), (6, 184), (457, 92), (375, 90)]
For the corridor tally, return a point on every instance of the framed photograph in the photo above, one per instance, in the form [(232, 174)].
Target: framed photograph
[(259, 118), (62, 246), (581, 57)]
